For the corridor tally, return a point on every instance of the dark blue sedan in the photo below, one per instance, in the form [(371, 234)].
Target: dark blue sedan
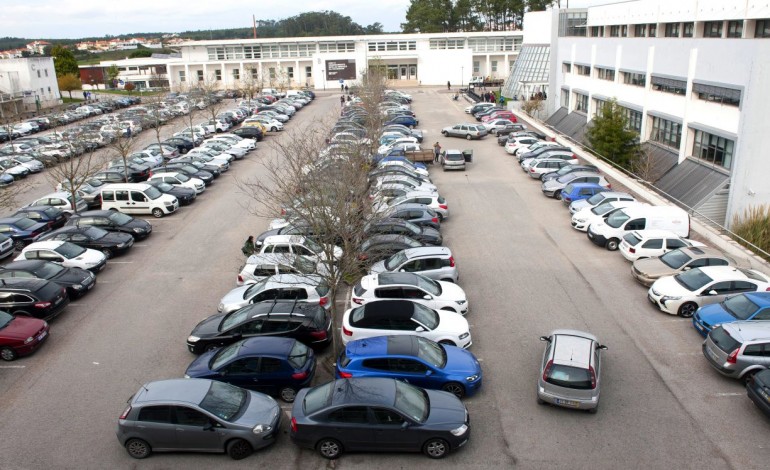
[(413, 359), (22, 230), (407, 121), (274, 366), (746, 306)]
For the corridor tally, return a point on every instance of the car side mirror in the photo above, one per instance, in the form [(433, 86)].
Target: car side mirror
[(712, 292), (427, 297), (545, 338), (602, 347), (209, 426), (419, 329), (405, 425)]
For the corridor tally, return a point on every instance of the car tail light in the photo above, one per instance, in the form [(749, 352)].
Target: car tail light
[(609, 185), (318, 334), (150, 174), (632, 250), (283, 211), (240, 278), (125, 413), (358, 301), (592, 372), (451, 261), (42, 304), (532, 170), (443, 206), (434, 220), (733, 357), (299, 375), (567, 199), (323, 301), (547, 370), (293, 424), (346, 332), (345, 375)]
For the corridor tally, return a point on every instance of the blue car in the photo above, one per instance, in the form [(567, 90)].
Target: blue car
[(270, 365), (578, 191), (407, 121), (413, 359), (22, 230), (746, 306)]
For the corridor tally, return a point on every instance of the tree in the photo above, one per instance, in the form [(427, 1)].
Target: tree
[(112, 74), (129, 87), (141, 52), (609, 136), (64, 61), (428, 16), (74, 173), (532, 107), (539, 5), (121, 148), (251, 82), (69, 82)]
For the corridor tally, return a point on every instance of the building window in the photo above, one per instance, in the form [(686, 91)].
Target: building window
[(672, 30), (447, 44), (598, 106), (572, 23), (565, 98), (762, 29), (38, 74), (633, 119), (652, 30), (49, 90), (735, 29), (669, 85), (597, 31), (713, 149), (476, 66), (624, 31), (687, 29), (46, 72), (614, 31), (182, 76), (717, 94), (494, 66), (236, 74), (254, 73), (583, 69), (635, 79), (308, 72), (605, 74), (218, 74), (712, 29), (271, 73), (640, 30), (566, 67), (581, 102), (666, 132), (200, 75), (380, 46)]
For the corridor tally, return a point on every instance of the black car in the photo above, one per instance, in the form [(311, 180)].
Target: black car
[(112, 175), (181, 144), (310, 324), (758, 390), (135, 171), (250, 133), (22, 230), (77, 281), (112, 221), (53, 216), (426, 235), (33, 297), (378, 414), (379, 247), (189, 170), (109, 243), (200, 165), (185, 195), (542, 150), (504, 132)]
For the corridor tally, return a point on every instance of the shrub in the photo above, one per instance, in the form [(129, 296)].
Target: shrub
[(754, 226)]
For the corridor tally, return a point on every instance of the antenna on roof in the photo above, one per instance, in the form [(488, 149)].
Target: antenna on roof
[(143, 386)]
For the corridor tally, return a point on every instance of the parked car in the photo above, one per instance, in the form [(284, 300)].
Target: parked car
[(261, 266), (683, 293), (426, 235), (398, 317), (515, 143), (22, 230), (378, 247), (437, 295), (77, 281), (412, 359), (652, 243), (65, 253), (94, 238), (466, 131), (570, 372), (20, 336), (598, 198), (736, 349), (112, 221), (302, 288), (577, 191), (52, 216), (179, 180), (436, 263), (300, 245), (452, 160), (309, 323), (6, 246), (271, 365), (587, 216), (185, 196), (568, 169), (61, 200), (379, 415), (757, 390), (434, 202), (553, 188), (416, 213), (213, 417), (36, 298), (407, 121), (113, 175), (647, 271), (749, 306)]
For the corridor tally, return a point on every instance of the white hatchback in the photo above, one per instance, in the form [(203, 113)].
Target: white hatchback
[(652, 243), (298, 245), (179, 180), (67, 254), (438, 295)]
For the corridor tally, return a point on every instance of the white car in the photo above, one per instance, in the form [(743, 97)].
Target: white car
[(513, 146), (264, 265), (403, 317), (383, 149), (652, 243), (583, 218), (303, 288), (65, 253), (417, 169), (180, 180), (153, 160), (272, 125), (349, 138), (405, 180), (683, 293), (599, 198), (224, 147), (438, 295), (238, 141), (61, 200), (211, 153), (30, 163), (298, 245)]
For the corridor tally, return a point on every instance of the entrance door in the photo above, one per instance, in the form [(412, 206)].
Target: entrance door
[(404, 72), (412, 72)]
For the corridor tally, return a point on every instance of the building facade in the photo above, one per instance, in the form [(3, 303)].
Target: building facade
[(27, 85), (142, 72), (322, 62), (691, 76)]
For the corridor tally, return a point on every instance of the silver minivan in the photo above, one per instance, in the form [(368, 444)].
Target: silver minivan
[(739, 349), (570, 373)]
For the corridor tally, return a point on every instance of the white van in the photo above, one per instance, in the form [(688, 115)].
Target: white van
[(586, 216), (272, 92), (138, 198), (619, 222)]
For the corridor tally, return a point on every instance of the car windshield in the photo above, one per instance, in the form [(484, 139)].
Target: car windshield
[(317, 398), (412, 401), (120, 218), (675, 259), (95, 233), (425, 316), (51, 212), (740, 307), (225, 354), (313, 246), (602, 208), (165, 187), (254, 289), (298, 355), (395, 261), (595, 199), (183, 178), (25, 223), (617, 218), (48, 270), (431, 352), (427, 284), (693, 279), (5, 319), (224, 400), (69, 250), (304, 265)]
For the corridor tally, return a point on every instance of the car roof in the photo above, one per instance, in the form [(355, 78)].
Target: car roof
[(655, 233), (297, 308), (391, 279), (292, 280), (30, 284), (388, 309), (749, 330), (23, 265), (704, 252), (47, 244), (427, 251), (572, 347), (409, 206), (368, 390), (609, 194), (260, 345), (394, 345), (721, 273), (13, 220), (173, 390), (285, 239)]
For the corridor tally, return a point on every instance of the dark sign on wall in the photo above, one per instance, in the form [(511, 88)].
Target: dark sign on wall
[(341, 69)]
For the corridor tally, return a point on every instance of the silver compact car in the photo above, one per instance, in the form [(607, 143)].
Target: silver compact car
[(197, 415), (570, 374)]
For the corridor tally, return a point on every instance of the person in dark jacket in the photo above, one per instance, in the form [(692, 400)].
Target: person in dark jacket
[(248, 247)]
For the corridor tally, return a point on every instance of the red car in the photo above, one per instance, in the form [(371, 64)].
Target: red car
[(20, 336), (500, 115)]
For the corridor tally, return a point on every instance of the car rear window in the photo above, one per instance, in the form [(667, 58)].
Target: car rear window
[(632, 239), (723, 340), (49, 291), (322, 289), (358, 289), (317, 398), (569, 377), (298, 355)]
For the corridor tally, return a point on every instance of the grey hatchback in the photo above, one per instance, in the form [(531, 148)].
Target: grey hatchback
[(739, 349), (434, 262), (197, 415), (570, 374)]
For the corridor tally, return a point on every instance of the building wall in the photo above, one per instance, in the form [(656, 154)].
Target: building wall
[(36, 80)]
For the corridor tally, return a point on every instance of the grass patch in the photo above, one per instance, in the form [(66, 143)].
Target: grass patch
[(754, 226), (67, 100)]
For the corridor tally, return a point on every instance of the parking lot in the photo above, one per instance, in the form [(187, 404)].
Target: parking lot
[(526, 272)]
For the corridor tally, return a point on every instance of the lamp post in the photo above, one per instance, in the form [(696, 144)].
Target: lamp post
[(462, 72)]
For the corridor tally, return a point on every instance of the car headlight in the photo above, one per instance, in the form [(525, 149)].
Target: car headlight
[(459, 431), (193, 339), (29, 340), (262, 428), (666, 298), (78, 286), (461, 302), (121, 245), (464, 335), (138, 230), (220, 307), (472, 378), (580, 221)]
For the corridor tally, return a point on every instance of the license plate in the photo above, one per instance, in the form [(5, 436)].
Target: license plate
[(42, 335), (57, 301), (700, 327), (712, 354), (570, 403), (90, 286)]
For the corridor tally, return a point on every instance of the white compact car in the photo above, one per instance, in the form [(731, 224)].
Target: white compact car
[(302, 288), (652, 243), (179, 180), (65, 253), (438, 295), (298, 245)]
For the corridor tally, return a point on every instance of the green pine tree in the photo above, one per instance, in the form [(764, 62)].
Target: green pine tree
[(609, 136), (64, 61)]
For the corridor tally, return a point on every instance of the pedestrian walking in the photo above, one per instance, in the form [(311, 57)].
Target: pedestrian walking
[(342, 88), (448, 85), (248, 248), (347, 90), (436, 152), (342, 100)]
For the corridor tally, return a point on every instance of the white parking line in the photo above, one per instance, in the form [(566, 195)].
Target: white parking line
[(142, 245), (729, 394), (12, 367), (689, 354), (120, 262)]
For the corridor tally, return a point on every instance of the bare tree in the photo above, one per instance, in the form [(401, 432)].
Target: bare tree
[(121, 148), (532, 107), (643, 166), (74, 173), (251, 82), (209, 86)]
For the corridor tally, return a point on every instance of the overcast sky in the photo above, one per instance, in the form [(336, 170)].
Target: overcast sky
[(85, 18)]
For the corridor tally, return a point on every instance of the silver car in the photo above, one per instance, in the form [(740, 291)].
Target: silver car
[(599, 198), (570, 373), (468, 131), (197, 415), (552, 188), (453, 160), (434, 262), (738, 349)]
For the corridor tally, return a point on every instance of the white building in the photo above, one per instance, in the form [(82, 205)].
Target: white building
[(321, 62), (142, 72), (692, 76), (27, 85)]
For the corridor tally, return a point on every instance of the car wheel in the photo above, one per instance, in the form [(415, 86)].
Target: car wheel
[(687, 310), (557, 195), (455, 389), (273, 129), (288, 394), (238, 449), (138, 448), (448, 342), (468, 137), (747, 377), (107, 253), (449, 279), (612, 244), (157, 213), (8, 354), (22, 313), (19, 245), (329, 448), (436, 448), (446, 134)]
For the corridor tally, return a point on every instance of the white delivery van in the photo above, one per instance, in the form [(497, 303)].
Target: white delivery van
[(138, 198), (610, 232)]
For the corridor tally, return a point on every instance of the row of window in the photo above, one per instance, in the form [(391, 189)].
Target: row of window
[(265, 51), (479, 44), (711, 29), (381, 46), (253, 71)]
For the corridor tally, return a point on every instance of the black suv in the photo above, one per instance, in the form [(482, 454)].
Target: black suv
[(33, 297), (112, 221), (310, 324), (249, 132)]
